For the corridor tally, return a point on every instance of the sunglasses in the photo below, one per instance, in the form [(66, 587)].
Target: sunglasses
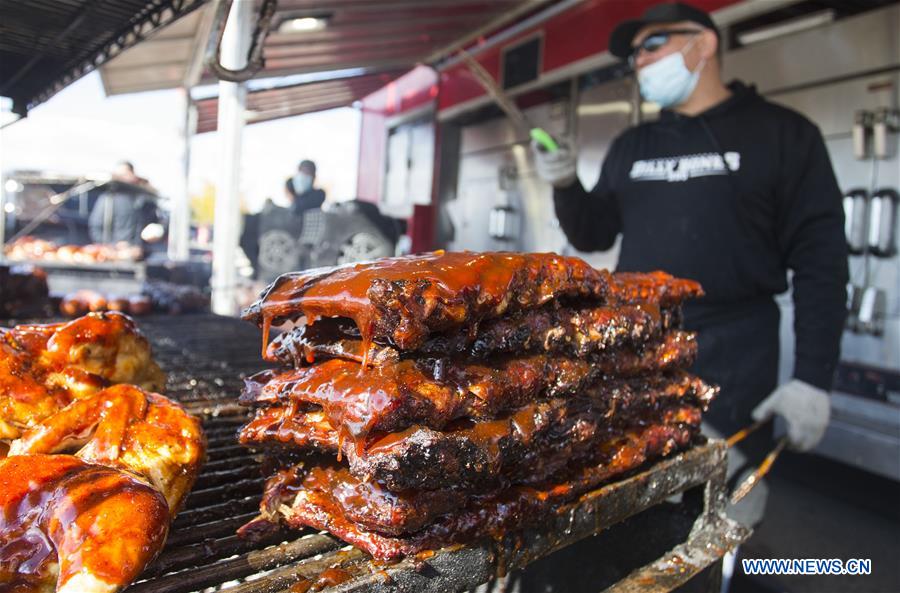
[(655, 41)]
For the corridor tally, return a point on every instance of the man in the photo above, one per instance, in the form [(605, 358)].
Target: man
[(733, 191), (126, 211), (300, 190)]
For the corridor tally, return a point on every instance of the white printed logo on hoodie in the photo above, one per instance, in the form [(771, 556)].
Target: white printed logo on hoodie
[(682, 168)]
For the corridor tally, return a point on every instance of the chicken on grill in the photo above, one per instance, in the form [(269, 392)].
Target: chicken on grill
[(74, 527), (126, 427), (97, 467), (45, 367)]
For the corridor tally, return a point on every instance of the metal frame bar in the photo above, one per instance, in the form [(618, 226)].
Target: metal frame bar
[(158, 15), (235, 43), (255, 59)]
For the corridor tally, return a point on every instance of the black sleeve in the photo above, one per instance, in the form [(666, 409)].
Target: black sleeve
[(813, 245), (95, 218), (309, 200), (590, 220)]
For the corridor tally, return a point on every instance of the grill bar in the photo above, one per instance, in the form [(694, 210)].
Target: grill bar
[(225, 452), (208, 480), (206, 552), (242, 566), (281, 579), (241, 488), (224, 465), (221, 528), (213, 512)]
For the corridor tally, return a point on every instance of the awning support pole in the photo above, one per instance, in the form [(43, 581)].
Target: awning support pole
[(227, 220), (180, 217)]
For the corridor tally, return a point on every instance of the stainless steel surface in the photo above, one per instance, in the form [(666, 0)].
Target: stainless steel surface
[(111, 278), (863, 43), (496, 170), (863, 433), (885, 126), (861, 125), (410, 167)]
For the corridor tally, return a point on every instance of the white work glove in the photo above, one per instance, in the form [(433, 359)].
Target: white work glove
[(153, 232), (805, 408), (556, 168)]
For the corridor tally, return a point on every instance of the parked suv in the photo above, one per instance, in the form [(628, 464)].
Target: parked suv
[(277, 240)]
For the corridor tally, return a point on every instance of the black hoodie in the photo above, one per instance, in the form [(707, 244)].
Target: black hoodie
[(733, 197)]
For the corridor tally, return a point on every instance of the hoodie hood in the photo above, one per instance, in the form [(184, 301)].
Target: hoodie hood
[(741, 94)]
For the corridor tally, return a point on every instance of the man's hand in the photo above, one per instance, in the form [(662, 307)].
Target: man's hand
[(153, 232), (556, 168), (805, 408)]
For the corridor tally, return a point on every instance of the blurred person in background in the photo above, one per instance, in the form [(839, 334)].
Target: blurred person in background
[(300, 189), (126, 211)]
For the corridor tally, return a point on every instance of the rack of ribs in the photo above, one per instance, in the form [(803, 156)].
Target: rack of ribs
[(528, 443), (436, 399)]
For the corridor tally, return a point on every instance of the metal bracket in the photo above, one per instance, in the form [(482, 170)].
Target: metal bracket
[(255, 59)]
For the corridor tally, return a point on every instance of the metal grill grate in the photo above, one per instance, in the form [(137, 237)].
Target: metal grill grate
[(206, 356)]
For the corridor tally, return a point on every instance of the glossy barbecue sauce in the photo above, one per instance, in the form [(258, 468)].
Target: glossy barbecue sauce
[(492, 513), (635, 402), (32, 354), (459, 284), (56, 508), (405, 393)]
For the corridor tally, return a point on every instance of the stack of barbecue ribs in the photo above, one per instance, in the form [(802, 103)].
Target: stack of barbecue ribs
[(441, 398)]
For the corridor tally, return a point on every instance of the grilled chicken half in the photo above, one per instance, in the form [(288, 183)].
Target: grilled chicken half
[(75, 527), (45, 367), (126, 427), (90, 521), (96, 466)]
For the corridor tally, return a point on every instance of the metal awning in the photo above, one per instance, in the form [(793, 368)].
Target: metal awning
[(169, 59), (268, 104), (48, 44), (373, 38), (380, 34)]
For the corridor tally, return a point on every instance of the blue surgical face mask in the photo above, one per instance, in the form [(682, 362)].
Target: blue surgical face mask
[(302, 182), (668, 81)]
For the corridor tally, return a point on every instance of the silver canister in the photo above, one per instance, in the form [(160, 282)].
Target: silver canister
[(883, 222), (855, 220)]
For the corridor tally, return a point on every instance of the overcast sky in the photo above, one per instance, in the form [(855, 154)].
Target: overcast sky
[(81, 131)]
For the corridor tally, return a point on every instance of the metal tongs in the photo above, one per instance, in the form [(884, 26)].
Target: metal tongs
[(545, 141), (760, 472)]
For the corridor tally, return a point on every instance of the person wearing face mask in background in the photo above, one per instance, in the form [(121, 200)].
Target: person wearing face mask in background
[(300, 190), (733, 191)]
